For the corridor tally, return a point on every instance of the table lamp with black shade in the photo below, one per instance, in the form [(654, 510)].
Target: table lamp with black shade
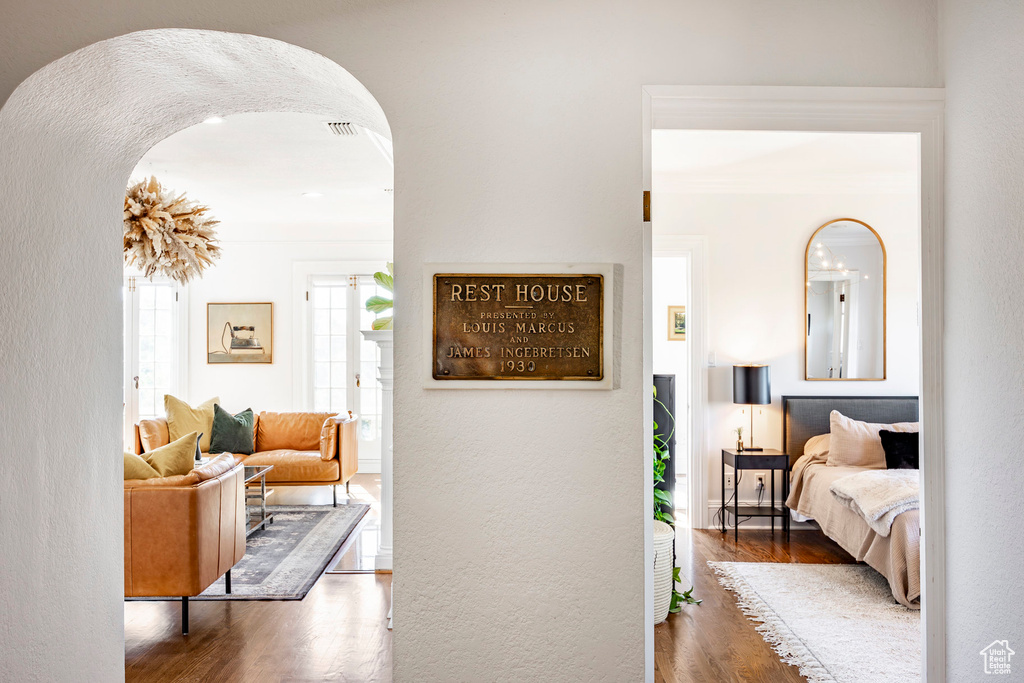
[(751, 386)]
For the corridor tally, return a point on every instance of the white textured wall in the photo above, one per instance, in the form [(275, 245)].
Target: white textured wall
[(984, 368), (517, 127), (756, 289)]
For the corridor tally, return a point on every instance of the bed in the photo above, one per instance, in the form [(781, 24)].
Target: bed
[(896, 556)]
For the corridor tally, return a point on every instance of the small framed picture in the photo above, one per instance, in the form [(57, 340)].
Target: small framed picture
[(240, 333), (677, 323)]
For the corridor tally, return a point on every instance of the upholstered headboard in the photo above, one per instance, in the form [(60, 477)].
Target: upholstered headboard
[(807, 416)]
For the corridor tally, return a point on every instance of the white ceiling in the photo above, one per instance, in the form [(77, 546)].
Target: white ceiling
[(783, 162), (253, 169)]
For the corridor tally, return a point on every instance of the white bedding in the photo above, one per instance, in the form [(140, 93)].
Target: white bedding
[(879, 496)]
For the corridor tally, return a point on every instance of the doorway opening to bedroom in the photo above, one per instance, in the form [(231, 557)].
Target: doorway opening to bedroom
[(797, 257)]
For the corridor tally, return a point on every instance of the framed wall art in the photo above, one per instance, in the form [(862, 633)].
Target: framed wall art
[(677, 323), (239, 333)]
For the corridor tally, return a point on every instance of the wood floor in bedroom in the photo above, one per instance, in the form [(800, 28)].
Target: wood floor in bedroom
[(713, 641)]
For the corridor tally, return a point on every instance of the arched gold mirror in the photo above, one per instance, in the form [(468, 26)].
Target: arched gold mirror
[(844, 304)]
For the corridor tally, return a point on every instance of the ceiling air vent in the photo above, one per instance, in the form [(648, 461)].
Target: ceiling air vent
[(342, 128)]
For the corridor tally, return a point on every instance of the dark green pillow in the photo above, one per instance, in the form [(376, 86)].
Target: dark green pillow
[(231, 433)]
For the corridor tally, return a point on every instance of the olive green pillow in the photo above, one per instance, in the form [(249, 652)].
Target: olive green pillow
[(137, 468), (177, 457), (183, 418), (232, 433)]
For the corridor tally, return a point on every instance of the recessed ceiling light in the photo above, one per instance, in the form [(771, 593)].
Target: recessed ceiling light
[(214, 119), (312, 195)]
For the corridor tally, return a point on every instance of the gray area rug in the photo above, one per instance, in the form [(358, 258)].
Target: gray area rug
[(836, 622), (285, 560)]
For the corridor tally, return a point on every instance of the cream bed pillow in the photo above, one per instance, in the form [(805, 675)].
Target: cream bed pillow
[(817, 447), (856, 444)]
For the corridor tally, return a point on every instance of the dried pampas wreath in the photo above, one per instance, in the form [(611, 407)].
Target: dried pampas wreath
[(165, 234)]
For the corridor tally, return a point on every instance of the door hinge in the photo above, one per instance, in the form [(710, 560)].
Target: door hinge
[(175, 296), (307, 295), (647, 206), (353, 281)]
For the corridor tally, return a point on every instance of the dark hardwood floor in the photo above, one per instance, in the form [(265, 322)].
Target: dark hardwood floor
[(714, 641), (339, 632)]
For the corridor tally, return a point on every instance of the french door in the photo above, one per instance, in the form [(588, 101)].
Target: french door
[(343, 367), (153, 328)]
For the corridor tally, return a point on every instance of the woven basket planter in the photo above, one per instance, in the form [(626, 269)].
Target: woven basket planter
[(663, 538)]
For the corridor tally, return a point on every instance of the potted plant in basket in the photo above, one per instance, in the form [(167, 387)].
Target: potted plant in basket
[(663, 499)]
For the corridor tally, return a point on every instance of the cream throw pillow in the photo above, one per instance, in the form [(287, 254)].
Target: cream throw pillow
[(177, 457), (137, 468), (183, 418), (856, 444)]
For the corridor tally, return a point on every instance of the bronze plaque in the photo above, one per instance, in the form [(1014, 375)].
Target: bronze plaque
[(518, 327)]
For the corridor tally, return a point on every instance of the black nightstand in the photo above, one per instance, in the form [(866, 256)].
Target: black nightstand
[(756, 460)]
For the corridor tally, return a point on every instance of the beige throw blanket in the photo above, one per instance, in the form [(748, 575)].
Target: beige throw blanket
[(879, 495)]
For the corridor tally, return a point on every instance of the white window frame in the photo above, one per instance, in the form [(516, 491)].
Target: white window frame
[(179, 372), (304, 274)]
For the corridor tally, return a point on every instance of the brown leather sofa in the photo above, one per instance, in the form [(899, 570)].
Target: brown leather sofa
[(306, 449), (182, 533)]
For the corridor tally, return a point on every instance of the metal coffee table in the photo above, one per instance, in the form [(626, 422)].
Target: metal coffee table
[(256, 497)]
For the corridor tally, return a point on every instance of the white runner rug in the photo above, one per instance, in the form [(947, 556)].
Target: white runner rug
[(835, 622)]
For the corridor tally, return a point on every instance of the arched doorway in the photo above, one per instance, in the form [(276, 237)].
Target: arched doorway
[(74, 131)]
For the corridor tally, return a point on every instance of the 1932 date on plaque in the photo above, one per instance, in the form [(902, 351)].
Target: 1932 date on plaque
[(518, 327)]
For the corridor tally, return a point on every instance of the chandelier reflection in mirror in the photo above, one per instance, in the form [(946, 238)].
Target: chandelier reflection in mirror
[(844, 270)]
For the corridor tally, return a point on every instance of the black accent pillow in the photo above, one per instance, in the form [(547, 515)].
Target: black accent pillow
[(901, 449), (231, 433)]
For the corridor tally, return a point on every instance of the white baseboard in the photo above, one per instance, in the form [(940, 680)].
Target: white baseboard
[(382, 561), (754, 522), (367, 466)]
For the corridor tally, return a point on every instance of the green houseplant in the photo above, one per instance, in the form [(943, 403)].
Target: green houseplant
[(664, 498), (379, 304)]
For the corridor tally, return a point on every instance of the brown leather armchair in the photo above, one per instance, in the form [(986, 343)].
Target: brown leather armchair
[(183, 533)]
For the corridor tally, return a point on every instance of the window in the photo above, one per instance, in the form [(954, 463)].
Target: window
[(152, 366), (344, 364), (330, 346)]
